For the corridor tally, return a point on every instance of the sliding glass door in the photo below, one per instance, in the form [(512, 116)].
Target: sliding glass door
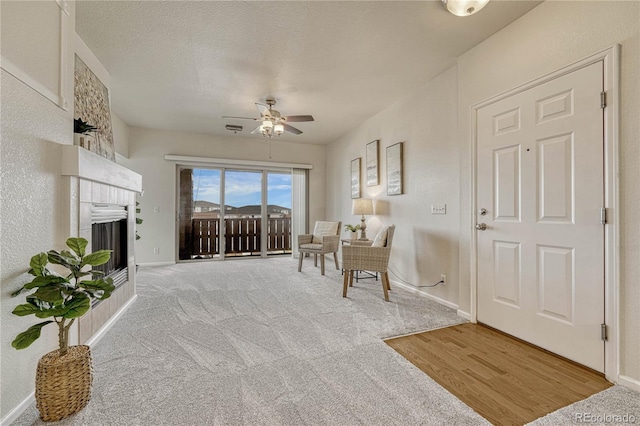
[(278, 213), (199, 213), (227, 213), (242, 213)]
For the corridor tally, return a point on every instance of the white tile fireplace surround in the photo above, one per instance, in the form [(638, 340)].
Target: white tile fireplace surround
[(95, 182)]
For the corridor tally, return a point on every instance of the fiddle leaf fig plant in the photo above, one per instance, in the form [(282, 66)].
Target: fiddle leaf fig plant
[(62, 297)]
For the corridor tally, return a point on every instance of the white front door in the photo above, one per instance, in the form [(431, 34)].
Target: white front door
[(541, 180)]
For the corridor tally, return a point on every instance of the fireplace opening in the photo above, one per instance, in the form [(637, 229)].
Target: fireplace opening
[(109, 232)]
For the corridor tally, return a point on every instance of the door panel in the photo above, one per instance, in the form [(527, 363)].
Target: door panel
[(540, 176), (506, 288), (506, 178)]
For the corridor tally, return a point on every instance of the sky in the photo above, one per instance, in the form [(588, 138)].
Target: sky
[(242, 188)]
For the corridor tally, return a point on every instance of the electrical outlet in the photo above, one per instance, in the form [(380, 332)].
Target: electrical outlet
[(156, 250), (438, 209), (443, 278)]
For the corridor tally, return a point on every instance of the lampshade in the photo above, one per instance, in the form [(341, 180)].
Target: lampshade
[(464, 7), (362, 206), (278, 129), (266, 124)]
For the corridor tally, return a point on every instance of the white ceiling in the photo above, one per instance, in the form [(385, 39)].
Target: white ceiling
[(182, 65)]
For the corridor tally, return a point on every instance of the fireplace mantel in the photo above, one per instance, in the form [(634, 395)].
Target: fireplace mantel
[(84, 164)]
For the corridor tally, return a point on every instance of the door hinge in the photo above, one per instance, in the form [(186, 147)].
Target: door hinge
[(603, 100), (603, 331), (603, 215)]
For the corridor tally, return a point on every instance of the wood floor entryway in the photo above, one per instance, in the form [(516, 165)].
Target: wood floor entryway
[(507, 381)]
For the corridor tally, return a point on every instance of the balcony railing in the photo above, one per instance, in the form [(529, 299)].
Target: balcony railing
[(242, 236)]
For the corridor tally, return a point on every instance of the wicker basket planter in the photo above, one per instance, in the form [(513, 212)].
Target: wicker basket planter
[(63, 383)]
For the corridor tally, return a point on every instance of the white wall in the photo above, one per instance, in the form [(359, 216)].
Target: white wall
[(120, 135), (551, 36), (32, 214), (425, 245), (147, 149)]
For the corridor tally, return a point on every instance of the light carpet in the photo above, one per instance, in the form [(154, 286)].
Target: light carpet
[(255, 342)]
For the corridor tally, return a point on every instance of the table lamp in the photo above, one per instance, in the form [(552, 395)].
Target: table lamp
[(362, 206)]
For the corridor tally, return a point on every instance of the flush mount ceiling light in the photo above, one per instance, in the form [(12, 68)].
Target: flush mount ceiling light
[(464, 7)]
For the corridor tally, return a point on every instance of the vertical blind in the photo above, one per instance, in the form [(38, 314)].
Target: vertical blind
[(300, 206)]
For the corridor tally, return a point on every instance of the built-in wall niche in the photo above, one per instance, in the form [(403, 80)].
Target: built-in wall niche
[(33, 38)]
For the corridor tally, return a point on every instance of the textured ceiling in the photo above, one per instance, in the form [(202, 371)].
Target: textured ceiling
[(182, 65)]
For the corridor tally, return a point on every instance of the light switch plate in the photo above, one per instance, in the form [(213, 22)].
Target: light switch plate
[(438, 209)]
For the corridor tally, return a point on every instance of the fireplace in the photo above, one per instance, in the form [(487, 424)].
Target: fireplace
[(101, 204), (109, 232)]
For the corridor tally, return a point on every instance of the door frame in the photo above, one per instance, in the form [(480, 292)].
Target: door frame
[(611, 84)]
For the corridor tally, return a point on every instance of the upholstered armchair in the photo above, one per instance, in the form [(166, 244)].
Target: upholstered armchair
[(372, 256), (325, 239)]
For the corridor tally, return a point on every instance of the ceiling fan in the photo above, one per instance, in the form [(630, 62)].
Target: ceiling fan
[(273, 123)]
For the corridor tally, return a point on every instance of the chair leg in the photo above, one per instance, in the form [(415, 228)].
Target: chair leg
[(335, 258), (345, 283), (351, 278), (322, 264), (385, 281), (300, 262), (385, 274), (315, 260)]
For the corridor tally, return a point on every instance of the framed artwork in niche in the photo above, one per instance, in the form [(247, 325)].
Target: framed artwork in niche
[(394, 169), (372, 163), (355, 178)]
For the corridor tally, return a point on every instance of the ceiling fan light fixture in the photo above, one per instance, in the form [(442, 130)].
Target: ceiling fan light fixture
[(272, 123), (464, 7)]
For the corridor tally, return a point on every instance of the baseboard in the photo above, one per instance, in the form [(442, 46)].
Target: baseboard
[(465, 315), (156, 264), (427, 295), (629, 382), (103, 330), (13, 415)]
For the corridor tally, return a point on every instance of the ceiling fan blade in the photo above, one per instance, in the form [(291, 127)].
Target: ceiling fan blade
[(256, 130), (263, 109), (291, 129), (298, 118), (242, 118)]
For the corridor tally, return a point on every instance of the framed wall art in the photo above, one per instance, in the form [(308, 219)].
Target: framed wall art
[(372, 163), (355, 178), (394, 169), (92, 106)]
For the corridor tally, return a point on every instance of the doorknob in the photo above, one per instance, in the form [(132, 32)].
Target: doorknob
[(481, 226)]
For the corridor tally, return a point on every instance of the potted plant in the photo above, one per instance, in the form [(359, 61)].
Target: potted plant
[(64, 376), (81, 130), (352, 229), (138, 220)]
